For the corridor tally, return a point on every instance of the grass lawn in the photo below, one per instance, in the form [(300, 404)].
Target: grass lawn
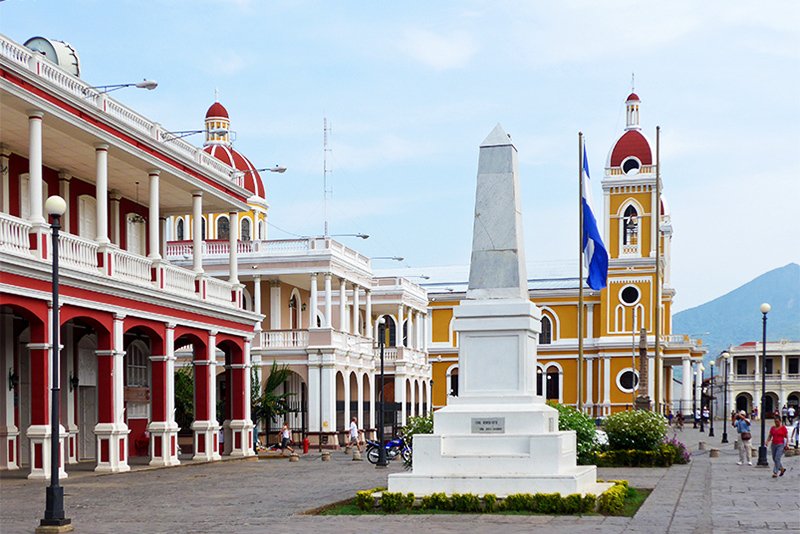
[(635, 499)]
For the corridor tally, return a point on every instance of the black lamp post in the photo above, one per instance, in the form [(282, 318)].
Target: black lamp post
[(702, 419), (711, 403), (382, 463), (762, 450), (55, 206), (725, 358)]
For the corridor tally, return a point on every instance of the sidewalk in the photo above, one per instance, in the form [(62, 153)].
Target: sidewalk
[(708, 495)]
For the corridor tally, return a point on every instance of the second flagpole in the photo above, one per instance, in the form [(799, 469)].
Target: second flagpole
[(580, 271)]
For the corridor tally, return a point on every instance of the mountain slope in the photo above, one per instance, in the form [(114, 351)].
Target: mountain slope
[(735, 318)]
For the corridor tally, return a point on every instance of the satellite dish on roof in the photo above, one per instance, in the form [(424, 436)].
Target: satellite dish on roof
[(59, 52)]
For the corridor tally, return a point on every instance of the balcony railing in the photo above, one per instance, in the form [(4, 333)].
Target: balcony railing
[(14, 235), (284, 339), (78, 252), (132, 267), (84, 93), (179, 280), (218, 290)]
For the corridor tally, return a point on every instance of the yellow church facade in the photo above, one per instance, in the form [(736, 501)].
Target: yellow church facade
[(613, 316)]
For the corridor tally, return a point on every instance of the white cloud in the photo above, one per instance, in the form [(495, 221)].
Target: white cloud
[(438, 51)]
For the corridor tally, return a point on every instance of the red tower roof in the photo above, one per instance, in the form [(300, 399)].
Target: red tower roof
[(633, 97), (228, 155), (632, 143), (217, 110)]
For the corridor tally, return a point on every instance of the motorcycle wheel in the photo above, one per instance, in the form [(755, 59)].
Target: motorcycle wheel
[(373, 455), (406, 455)]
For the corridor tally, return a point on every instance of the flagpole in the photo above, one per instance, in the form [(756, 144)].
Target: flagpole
[(580, 271), (657, 222)]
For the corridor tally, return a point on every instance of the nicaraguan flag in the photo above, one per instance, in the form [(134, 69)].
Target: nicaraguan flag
[(594, 252)]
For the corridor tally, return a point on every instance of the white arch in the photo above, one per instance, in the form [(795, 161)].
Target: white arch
[(621, 226), (452, 340), (557, 366), (448, 375), (248, 299), (619, 318), (241, 226), (295, 293)]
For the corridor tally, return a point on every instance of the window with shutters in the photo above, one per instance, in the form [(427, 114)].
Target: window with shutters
[(87, 217)]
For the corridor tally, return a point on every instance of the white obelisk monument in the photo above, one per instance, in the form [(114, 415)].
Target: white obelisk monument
[(497, 436)]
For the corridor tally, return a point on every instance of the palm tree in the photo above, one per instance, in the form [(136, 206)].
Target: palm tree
[(269, 405)]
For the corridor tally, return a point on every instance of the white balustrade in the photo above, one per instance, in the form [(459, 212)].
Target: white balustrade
[(630, 250), (132, 267), (181, 249), (216, 248), (179, 280), (389, 354), (14, 235), (78, 253), (284, 339), (218, 290)]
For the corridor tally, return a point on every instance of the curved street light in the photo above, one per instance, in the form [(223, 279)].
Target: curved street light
[(144, 84)]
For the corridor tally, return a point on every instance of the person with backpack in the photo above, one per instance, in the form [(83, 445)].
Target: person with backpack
[(742, 425)]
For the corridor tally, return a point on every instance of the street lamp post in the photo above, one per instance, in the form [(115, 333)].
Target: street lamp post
[(762, 450), (55, 206), (702, 373), (694, 399), (711, 403), (382, 463), (725, 358)]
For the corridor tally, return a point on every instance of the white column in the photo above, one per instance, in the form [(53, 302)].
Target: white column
[(698, 388), (114, 199), (606, 385), (312, 305), (651, 386), (400, 396), (346, 415), (360, 399), (428, 336), (589, 383), (590, 321), (373, 383), (314, 394), (35, 165), (233, 246), (247, 425), (63, 191), (328, 393), (399, 336), (275, 305), (5, 180), (257, 299), (328, 299), (342, 305), (101, 192), (686, 389), (368, 313), (354, 324), (197, 231), (413, 399), (410, 330), (116, 431), (153, 220), (9, 433)]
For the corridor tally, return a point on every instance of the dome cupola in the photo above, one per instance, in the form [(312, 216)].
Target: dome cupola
[(218, 125)]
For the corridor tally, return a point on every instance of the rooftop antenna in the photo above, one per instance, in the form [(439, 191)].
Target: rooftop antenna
[(325, 191)]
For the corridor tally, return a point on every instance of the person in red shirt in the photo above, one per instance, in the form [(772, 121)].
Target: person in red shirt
[(778, 436)]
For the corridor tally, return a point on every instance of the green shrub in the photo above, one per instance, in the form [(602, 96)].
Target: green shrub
[(570, 418), (612, 501), (422, 424), (394, 501), (435, 501), (637, 429), (364, 500), (465, 502), (489, 503), (663, 457), (547, 503), (519, 502), (572, 504), (589, 503)]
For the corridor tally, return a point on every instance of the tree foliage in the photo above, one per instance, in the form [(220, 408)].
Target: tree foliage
[(270, 405), (571, 419), (184, 397)]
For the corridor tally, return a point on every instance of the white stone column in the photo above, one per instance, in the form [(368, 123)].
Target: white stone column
[(698, 388), (342, 305), (354, 324), (410, 329), (314, 394), (589, 321), (257, 302), (328, 394), (113, 204), (399, 336), (275, 305), (651, 387), (373, 399), (368, 313), (589, 384), (360, 399), (35, 182), (9, 432), (101, 192), (153, 220), (400, 396), (428, 335), (312, 305), (413, 399), (63, 191), (197, 231), (328, 301), (242, 429), (116, 431), (172, 425), (346, 376), (233, 246), (5, 180), (686, 387), (606, 385)]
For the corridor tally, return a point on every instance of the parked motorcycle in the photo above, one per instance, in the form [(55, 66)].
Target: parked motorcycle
[(394, 448)]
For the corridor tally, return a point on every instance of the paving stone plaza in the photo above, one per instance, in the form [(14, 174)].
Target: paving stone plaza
[(708, 495)]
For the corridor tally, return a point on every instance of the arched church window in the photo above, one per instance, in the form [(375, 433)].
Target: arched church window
[(539, 380), (630, 235), (454, 383), (553, 378), (546, 335), (245, 229), (179, 230), (223, 228)]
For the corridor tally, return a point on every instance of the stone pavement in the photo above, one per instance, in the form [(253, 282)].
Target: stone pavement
[(708, 495)]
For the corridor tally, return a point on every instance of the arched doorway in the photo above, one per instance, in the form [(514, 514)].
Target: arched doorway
[(770, 404), (340, 400), (744, 402)]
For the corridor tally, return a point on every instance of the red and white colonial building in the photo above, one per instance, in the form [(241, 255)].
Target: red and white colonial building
[(124, 308)]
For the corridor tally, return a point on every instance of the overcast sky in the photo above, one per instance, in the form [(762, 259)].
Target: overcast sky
[(412, 88)]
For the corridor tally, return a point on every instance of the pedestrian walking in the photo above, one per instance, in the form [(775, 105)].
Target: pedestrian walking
[(791, 413), (355, 434), (778, 439), (670, 417), (795, 434), (286, 439), (705, 414), (784, 413), (679, 421), (742, 425)]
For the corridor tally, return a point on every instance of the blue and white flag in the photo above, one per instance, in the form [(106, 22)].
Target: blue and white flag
[(595, 255)]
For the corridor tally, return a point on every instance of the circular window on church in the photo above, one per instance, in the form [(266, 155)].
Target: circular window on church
[(631, 166), (627, 380), (629, 295)]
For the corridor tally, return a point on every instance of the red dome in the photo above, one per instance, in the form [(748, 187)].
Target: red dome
[(633, 97), (632, 143), (217, 110), (229, 156)]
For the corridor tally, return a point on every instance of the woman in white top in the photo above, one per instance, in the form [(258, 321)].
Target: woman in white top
[(286, 438)]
